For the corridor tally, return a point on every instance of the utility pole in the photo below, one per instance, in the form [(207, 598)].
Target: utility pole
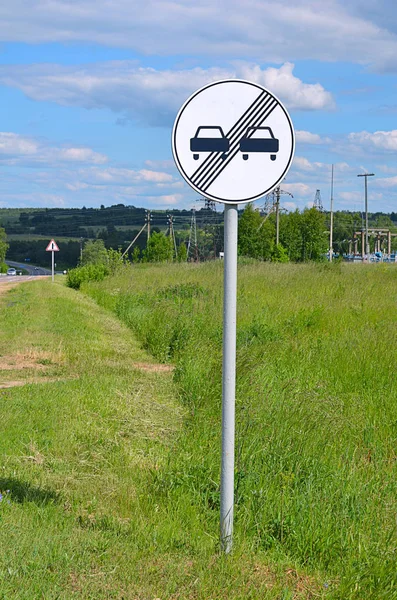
[(366, 175), (81, 250), (148, 217), (172, 233), (134, 240), (276, 194), (331, 227), (193, 236)]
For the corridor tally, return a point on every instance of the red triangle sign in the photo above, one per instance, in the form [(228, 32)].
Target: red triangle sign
[(52, 247)]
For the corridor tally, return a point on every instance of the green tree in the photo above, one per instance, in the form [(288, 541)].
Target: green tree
[(182, 253), (280, 254), (136, 253), (255, 237), (159, 248), (291, 234), (314, 235), (3, 248), (94, 253), (115, 259)]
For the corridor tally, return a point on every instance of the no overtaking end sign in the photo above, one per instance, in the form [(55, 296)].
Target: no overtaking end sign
[(233, 141)]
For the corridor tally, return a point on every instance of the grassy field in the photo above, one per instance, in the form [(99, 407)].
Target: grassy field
[(110, 458), (316, 470), (96, 499)]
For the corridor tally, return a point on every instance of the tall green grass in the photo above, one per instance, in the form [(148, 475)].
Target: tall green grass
[(316, 459)]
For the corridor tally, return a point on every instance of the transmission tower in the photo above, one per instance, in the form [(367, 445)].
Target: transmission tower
[(317, 201), (209, 204), (268, 207)]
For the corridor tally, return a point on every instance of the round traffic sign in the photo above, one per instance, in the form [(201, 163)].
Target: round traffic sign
[(233, 141)]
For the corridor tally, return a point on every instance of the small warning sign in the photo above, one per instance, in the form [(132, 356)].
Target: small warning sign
[(52, 247)]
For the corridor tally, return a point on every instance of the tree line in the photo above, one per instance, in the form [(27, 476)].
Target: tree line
[(303, 236)]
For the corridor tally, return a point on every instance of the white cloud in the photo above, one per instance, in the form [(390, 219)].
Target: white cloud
[(351, 196), (298, 188), (283, 83), (17, 149), (386, 169), (167, 200), (80, 155), (303, 164), (381, 140), (12, 144), (387, 182), (278, 29), (150, 95), (123, 176), (305, 137), (160, 164)]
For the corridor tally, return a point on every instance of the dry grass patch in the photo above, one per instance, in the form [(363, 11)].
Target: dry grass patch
[(5, 384), (153, 367), (30, 359)]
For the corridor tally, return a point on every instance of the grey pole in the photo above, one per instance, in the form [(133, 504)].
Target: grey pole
[(52, 265), (229, 376), (366, 218), (331, 228), (278, 193), (366, 175)]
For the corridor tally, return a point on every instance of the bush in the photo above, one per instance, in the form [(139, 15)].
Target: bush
[(280, 254), (3, 268), (79, 275)]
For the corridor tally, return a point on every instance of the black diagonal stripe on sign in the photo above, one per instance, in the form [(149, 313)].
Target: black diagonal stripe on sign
[(232, 154), (235, 138), (213, 155), (256, 122), (235, 149), (263, 96), (232, 135)]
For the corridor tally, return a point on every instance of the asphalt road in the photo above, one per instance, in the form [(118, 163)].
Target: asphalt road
[(31, 269)]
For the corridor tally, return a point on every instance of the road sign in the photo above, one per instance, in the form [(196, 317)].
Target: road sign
[(233, 141), (52, 247)]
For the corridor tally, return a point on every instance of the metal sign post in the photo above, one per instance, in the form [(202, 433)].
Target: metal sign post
[(229, 376), (52, 247), (233, 142)]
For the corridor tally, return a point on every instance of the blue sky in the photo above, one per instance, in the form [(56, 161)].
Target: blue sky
[(90, 90)]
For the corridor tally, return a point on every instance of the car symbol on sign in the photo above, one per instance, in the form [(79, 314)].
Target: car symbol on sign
[(209, 139), (255, 141)]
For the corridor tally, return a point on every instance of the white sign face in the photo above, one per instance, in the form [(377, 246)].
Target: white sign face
[(233, 141), (52, 247)]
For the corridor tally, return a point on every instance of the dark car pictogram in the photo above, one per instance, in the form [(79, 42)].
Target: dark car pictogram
[(255, 140), (209, 139)]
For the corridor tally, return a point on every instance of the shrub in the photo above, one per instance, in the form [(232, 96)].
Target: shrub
[(79, 275)]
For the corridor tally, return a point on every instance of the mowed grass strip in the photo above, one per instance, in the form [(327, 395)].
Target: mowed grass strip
[(78, 443)]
